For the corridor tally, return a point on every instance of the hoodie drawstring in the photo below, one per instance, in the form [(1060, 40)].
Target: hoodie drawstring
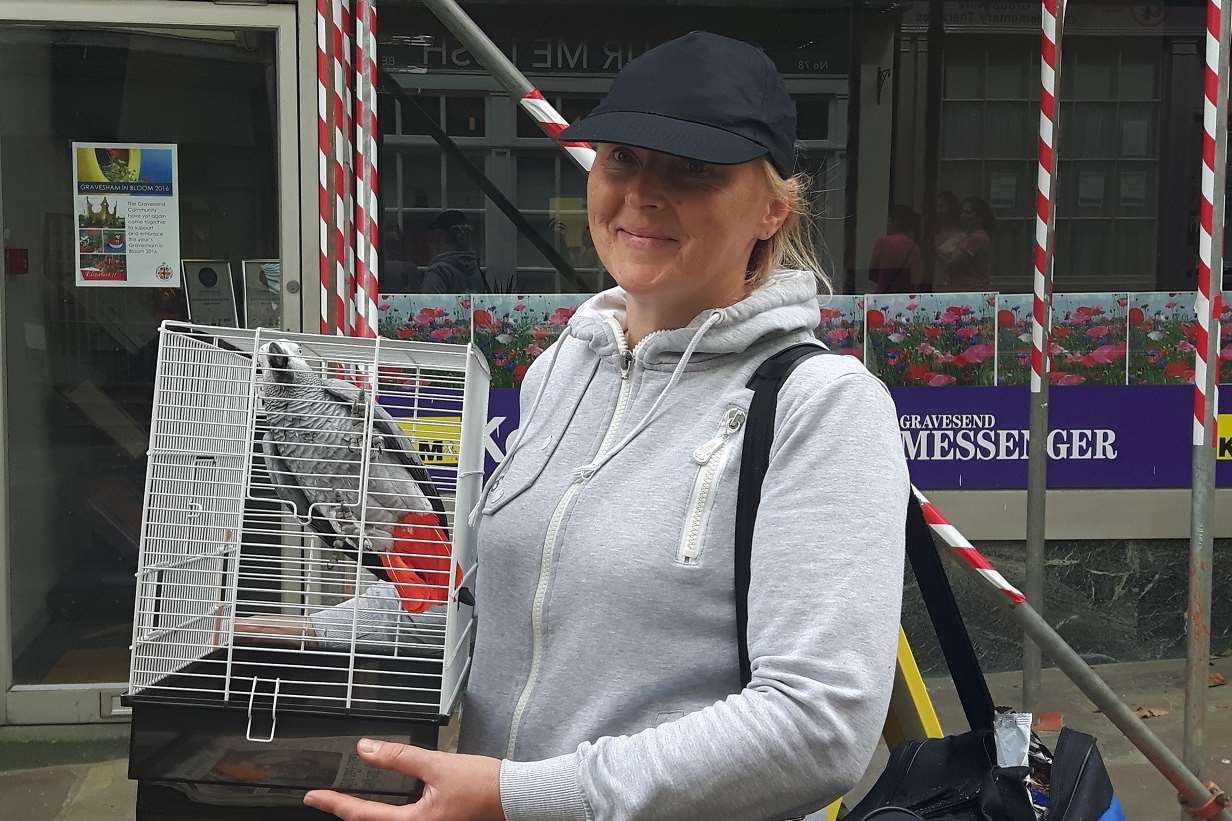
[(518, 438), (587, 471)]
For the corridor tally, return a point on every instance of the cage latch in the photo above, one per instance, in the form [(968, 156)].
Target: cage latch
[(273, 711)]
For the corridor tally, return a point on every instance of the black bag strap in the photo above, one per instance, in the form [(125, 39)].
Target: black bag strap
[(939, 599)]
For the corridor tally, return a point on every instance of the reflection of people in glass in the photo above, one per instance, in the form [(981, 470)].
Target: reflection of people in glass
[(945, 236), (398, 272), (970, 267), (573, 235), (454, 268), (896, 265)]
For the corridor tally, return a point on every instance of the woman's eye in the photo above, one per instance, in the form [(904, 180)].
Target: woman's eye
[(696, 167), (621, 155)]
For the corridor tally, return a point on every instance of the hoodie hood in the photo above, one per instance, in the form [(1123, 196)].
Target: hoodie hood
[(786, 303)]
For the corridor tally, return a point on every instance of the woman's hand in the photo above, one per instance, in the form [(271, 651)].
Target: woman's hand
[(455, 787)]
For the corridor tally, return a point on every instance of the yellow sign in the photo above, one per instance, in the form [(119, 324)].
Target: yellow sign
[(1224, 447), (436, 438)]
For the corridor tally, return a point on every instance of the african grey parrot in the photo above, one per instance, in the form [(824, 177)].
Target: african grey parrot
[(312, 450)]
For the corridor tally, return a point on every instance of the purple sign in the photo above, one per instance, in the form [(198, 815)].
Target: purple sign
[(976, 438), (1099, 437)]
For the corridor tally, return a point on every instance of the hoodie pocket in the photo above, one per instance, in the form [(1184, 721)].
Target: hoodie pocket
[(711, 459), (528, 463)]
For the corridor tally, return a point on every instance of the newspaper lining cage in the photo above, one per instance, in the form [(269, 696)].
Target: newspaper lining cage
[(303, 567)]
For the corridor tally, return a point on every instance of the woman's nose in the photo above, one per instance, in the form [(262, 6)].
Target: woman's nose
[(645, 190)]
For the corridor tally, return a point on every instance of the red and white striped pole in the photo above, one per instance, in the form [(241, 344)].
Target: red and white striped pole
[(338, 165), (507, 74), (348, 160), (1206, 363), (366, 217), (552, 123), (1046, 178), (1210, 238), (1052, 17), (323, 132)]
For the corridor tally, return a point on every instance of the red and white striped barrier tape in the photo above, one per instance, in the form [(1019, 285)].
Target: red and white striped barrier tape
[(323, 82), (348, 162), (1207, 306), (347, 166), (965, 551), (368, 235), (1043, 198), (338, 253), (552, 124)]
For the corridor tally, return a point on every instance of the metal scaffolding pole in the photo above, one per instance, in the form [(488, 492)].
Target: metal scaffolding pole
[(1052, 19), (506, 73), (1205, 437)]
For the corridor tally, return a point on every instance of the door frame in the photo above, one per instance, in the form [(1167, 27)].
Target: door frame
[(98, 702)]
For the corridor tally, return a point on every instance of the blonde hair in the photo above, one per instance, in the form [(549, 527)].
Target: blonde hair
[(792, 246)]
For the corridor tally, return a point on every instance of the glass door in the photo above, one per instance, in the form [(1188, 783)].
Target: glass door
[(148, 171)]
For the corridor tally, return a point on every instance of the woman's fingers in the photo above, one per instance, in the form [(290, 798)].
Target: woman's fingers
[(349, 808), (402, 758), (387, 755)]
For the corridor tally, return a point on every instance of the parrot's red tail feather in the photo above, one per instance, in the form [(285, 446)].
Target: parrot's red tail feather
[(418, 565)]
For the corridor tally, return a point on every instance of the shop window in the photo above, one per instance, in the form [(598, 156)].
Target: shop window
[(1107, 198), (813, 118), (411, 114), (431, 182), (465, 116), (551, 194), (421, 179), (461, 190)]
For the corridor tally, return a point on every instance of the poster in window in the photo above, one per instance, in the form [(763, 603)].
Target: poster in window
[(126, 204), (1133, 189), (211, 295), (262, 286), (1002, 190), (1091, 189)]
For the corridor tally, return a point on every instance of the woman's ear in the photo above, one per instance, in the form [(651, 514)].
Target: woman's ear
[(777, 210)]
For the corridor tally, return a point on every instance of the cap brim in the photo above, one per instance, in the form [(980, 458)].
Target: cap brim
[(694, 141)]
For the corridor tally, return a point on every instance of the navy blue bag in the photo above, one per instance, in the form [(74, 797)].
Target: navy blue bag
[(942, 779)]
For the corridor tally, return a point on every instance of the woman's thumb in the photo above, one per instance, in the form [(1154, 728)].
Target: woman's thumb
[(403, 758)]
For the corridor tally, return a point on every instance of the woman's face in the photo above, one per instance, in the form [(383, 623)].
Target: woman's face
[(678, 229), (968, 218), (942, 208)]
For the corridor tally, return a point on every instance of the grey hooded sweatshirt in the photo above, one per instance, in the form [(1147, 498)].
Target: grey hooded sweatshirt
[(605, 672)]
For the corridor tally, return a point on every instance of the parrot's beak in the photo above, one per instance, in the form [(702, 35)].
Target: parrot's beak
[(277, 357)]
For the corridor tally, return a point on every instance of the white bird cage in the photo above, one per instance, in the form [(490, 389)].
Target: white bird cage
[(248, 624)]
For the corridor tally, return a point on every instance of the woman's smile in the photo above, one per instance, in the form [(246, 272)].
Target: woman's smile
[(644, 239)]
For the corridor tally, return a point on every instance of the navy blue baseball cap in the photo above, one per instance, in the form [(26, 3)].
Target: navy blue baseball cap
[(701, 96)]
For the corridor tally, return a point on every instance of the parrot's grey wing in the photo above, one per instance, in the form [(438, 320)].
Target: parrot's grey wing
[(396, 441), (287, 487), (404, 451)]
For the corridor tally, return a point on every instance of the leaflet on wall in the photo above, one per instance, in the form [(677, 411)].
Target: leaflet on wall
[(211, 294), (1002, 190), (126, 201), (262, 285)]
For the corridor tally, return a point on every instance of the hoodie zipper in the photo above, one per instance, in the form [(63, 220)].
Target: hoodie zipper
[(711, 458), (548, 553)]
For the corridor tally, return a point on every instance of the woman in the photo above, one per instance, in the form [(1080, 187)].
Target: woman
[(605, 681), (895, 266), (947, 237), (971, 269)]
